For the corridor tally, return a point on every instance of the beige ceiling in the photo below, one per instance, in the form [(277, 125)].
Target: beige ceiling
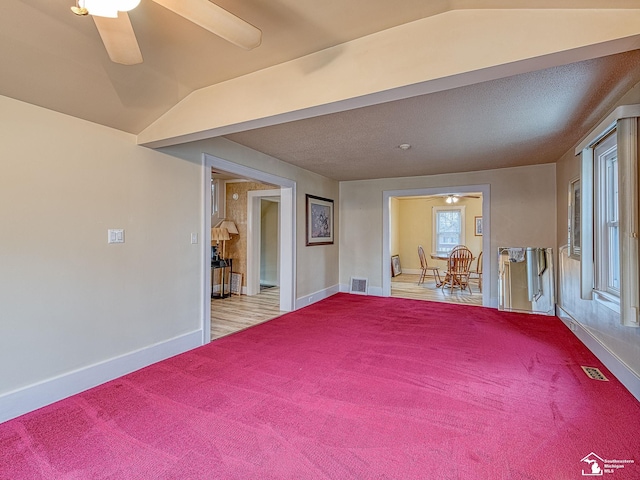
[(525, 119), (55, 59)]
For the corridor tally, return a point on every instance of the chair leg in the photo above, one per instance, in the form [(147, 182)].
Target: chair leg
[(444, 282)]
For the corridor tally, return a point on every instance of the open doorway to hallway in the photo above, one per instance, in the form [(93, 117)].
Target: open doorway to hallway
[(238, 194), (252, 253)]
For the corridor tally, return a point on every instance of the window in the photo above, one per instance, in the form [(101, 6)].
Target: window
[(606, 223), (448, 228), (610, 253)]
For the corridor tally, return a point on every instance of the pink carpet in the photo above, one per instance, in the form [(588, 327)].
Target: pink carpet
[(351, 387)]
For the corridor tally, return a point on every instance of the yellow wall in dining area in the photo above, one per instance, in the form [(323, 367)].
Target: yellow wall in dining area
[(414, 226)]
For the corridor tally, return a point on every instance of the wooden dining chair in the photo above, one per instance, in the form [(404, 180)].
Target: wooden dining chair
[(458, 268), (476, 274), (425, 268)]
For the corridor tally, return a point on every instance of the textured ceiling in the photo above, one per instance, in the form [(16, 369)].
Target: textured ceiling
[(56, 60), (520, 120)]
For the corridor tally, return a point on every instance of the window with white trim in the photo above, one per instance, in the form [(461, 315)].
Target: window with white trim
[(448, 228), (606, 220), (609, 223)]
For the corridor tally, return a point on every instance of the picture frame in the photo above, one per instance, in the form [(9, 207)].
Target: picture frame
[(396, 269), (575, 236), (319, 221), (477, 226)]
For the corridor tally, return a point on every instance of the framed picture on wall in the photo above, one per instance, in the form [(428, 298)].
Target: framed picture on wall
[(395, 266), (574, 219), (478, 226), (319, 221)]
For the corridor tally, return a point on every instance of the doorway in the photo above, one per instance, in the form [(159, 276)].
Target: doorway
[(483, 240), (286, 233), (263, 247), (269, 242)]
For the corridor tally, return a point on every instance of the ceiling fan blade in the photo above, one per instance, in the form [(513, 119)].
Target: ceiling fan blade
[(457, 195), (119, 39), (217, 20)]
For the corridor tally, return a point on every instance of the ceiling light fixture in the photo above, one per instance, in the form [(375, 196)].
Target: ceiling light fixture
[(451, 199), (404, 146), (104, 8)]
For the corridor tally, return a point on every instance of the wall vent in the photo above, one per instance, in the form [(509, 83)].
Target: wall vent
[(358, 285), (595, 373)]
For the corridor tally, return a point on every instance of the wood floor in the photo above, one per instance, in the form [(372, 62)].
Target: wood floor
[(238, 312), (235, 313), (406, 285)]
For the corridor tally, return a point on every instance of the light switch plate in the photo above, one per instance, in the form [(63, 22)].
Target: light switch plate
[(194, 238), (115, 235)]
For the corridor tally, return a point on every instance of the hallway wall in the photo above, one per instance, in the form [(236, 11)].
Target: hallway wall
[(269, 243)]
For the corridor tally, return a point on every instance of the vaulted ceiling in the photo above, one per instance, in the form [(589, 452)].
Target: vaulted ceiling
[(497, 117)]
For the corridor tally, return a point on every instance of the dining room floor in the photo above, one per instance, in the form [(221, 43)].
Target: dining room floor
[(406, 285)]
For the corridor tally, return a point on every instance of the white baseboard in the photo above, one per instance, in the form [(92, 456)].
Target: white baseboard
[(18, 402), (317, 296), (375, 291), (620, 369)]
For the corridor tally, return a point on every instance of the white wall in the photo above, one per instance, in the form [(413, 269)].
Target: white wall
[(523, 205), (68, 299)]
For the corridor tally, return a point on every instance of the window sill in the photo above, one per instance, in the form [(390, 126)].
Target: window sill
[(610, 301)]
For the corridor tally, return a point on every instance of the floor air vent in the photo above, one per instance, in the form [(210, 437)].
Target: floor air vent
[(595, 373), (358, 285)]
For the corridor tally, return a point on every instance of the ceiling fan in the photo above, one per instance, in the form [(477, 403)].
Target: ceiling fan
[(454, 197), (116, 31)]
